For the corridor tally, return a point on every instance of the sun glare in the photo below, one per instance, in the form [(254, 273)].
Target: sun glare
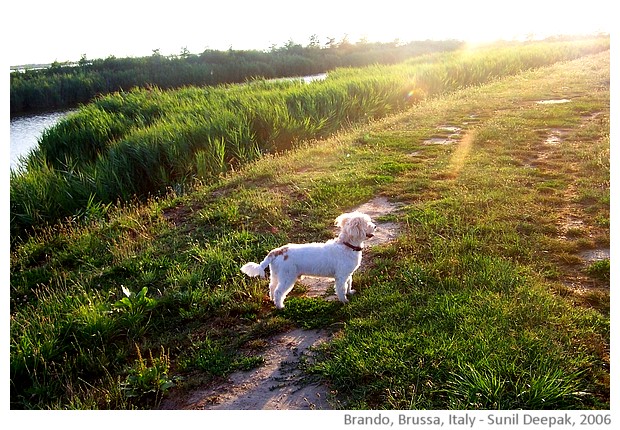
[(481, 21)]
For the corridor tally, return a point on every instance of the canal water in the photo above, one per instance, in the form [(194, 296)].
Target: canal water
[(26, 131)]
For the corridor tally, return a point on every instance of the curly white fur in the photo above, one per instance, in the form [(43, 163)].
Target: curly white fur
[(337, 258)]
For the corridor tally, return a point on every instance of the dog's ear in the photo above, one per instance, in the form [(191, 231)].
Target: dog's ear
[(357, 227), (341, 220)]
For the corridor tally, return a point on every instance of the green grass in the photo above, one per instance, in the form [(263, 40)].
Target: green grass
[(468, 308), (312, 313), (600, 269)]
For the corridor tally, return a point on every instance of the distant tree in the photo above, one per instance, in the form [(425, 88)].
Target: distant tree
[(83, 61), (314, 42), (185, 53), (344, 46)]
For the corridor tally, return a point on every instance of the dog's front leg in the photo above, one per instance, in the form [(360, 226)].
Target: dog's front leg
[(341, 289), (349, 286)]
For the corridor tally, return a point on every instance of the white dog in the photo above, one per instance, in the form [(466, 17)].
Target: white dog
[(337, 258)]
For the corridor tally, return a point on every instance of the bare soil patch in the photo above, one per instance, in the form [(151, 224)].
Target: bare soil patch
[(446, 135), (275, 385), (592, 255)]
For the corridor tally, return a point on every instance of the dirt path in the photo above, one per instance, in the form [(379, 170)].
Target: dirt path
[(274, 385), (278, 383)]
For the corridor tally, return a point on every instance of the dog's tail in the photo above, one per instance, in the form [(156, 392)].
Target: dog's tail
[(253, 269)]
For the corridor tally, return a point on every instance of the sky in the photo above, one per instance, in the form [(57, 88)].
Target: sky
[(43, 31)]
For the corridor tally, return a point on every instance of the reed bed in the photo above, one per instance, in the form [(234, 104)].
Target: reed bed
[(142, 142)]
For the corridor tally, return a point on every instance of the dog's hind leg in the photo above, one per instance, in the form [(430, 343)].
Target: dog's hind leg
[(273, 283), (341, 289), (285, 285)]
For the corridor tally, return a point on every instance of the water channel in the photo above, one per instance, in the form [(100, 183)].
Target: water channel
[(26, 131)]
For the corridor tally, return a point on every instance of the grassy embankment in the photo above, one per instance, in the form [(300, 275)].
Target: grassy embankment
[(469, 308), (146, 141)]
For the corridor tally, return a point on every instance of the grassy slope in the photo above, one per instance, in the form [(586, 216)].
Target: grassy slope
[(469, 308)]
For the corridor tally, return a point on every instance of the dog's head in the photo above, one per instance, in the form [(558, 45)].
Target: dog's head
[(356, 226)]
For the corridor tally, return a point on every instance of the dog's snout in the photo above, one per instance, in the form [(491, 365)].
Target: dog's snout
[(371, 234)]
